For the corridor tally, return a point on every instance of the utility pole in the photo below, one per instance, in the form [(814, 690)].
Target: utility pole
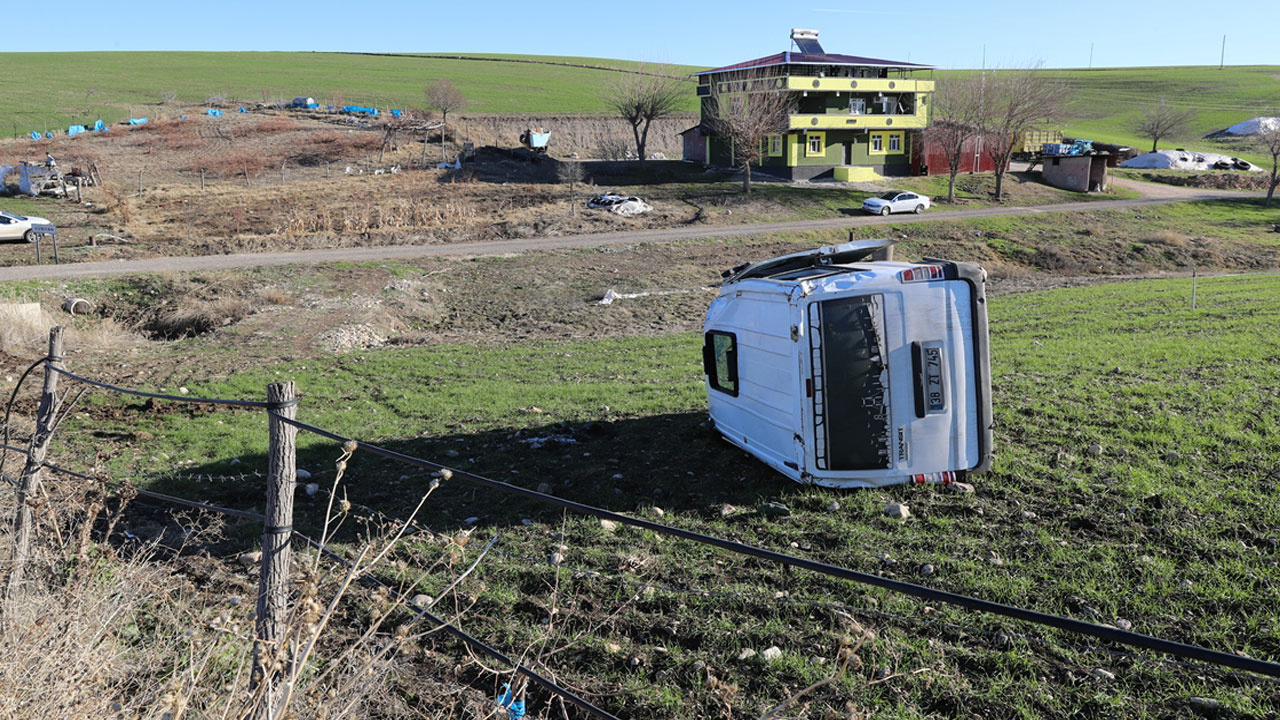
[(1090, 56), (1222, 60)]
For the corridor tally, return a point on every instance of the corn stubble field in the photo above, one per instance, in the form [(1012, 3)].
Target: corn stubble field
[(1134, 479)]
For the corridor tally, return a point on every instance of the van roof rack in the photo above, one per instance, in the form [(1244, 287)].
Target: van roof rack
[(841, 254)]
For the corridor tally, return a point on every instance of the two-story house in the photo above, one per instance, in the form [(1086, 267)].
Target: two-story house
[(850, 117)]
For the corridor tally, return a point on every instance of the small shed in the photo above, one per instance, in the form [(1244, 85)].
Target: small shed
[(695, 143), (1080, 173)]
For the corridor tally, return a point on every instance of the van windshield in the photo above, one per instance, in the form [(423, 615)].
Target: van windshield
[(851, 385)]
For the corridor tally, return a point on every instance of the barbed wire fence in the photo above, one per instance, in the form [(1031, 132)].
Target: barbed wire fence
[(281, 482)]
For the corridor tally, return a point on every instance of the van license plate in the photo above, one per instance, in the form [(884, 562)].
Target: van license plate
[(935, 398)]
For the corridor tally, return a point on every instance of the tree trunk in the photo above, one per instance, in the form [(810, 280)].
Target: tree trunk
[(999, 184), (635, 130), (951, 186), (746, 177), (644, 142), (1155, 141), (444, 123)]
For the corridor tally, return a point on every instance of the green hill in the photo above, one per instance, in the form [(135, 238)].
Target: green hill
[(1106, 102), (56, 89)]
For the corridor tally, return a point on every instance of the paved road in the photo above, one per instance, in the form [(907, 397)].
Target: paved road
[(1159, 196)]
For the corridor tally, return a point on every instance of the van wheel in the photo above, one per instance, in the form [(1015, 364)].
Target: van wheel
[(919, 209), (884, 211), (29, 236)]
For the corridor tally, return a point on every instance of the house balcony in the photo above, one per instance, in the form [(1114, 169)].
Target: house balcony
[(837, 84), (845, 121), (834, 84)]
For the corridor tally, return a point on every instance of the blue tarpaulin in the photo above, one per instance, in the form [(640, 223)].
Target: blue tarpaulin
[(242, 109), (182, 117), (48, 134), (214, 112), (99, 126), (397, 113), (35, 135), (75, 130), (137, 121), (360, 110)]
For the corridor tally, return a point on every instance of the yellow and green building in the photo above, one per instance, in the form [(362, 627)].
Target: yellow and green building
[(850, 117)]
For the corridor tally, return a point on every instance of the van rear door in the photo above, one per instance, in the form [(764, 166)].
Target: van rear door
[(941, 372), (899, 383)]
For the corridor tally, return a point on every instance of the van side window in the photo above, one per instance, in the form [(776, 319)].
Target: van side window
[(720, 361)]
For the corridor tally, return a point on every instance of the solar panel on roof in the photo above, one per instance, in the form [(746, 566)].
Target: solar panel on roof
[(809, 45)]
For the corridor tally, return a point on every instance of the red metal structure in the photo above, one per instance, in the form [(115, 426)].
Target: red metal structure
[(928, 158)]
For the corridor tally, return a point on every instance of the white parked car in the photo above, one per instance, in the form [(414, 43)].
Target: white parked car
[(17, 227), (839, 370), (896, 201)]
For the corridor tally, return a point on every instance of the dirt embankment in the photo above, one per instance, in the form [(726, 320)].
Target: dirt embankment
[(1216, 180), (601, 138)]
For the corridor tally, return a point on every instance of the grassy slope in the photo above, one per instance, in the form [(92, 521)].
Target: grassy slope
[(1107, 101), (57, 88), (1183, 545)]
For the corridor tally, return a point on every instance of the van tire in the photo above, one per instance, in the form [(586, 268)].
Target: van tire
[(884, 211), (919, 209)]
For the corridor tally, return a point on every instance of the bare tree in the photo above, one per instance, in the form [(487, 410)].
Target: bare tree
[(1162, 120), (955, 123), (571, 173), (644, 96), (444, 98), (1268, 141), (1010, 102), (743, 112)]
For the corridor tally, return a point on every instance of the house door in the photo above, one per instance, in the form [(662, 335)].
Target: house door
[(848, 153)]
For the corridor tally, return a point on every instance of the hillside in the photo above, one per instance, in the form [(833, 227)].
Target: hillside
[(55, 89)]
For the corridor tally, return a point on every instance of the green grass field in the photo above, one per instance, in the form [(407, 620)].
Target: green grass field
[(1170, 524), (59, 88)]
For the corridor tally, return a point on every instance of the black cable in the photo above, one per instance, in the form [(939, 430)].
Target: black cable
[(176, 398), (1124, 637), (13, 397)]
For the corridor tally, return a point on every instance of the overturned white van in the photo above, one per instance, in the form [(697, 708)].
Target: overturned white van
[(843, 371)]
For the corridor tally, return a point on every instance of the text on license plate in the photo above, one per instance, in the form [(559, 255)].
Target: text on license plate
[(934, 396)]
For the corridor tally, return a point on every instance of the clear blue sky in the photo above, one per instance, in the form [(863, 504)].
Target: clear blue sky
[(946, 34)]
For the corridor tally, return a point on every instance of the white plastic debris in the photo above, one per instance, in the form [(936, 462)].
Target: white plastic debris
[(624, 205)]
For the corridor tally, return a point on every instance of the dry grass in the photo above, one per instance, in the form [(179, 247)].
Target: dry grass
[(126, 630), (24, 330)]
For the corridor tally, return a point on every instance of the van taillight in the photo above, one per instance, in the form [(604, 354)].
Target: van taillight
[(945, 477), (922, 273)]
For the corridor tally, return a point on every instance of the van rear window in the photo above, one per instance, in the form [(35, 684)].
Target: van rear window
[(720, 361), (851, 384)]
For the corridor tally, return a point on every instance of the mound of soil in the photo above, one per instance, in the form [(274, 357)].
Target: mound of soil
[(1218, 180)]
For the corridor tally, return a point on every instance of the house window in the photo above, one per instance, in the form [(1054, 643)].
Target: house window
[(720, 361), (775, 146), (895, 142), (815, 145), (877, 143), (857, 106)]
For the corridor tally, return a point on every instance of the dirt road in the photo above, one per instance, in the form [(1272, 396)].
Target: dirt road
[(1156, 195)]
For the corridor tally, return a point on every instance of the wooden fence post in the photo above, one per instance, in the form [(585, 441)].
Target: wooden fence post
[(269, 651), (29, 485)]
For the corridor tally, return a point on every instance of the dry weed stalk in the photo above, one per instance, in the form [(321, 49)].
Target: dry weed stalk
[(126, 635)]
